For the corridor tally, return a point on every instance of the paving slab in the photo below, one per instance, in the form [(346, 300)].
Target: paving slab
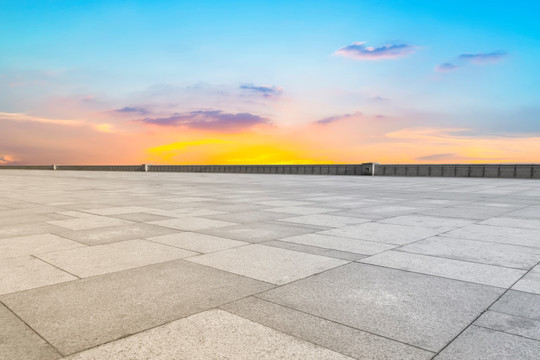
[(112, 234), (519, 257), (103, 259), (107, 307), (301, 210), (417, 309), (325, 220), (340, 338), (265, 263), (19, 342), (384, 233), (520, 304), (259, 232), (511, 324), (308, 249), (530, 282), (192, 223), (27, 272), (498, 234), (448, 268), (251, 216), (141, 217), (89, 222), (214, 334), (201, 243), (530, 212), (34, 244), (471, 212), (340, 243), (26, 229), (513, 222), (486, 344), (441, 224)]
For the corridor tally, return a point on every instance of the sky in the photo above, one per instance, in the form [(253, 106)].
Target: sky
[(269, 82)]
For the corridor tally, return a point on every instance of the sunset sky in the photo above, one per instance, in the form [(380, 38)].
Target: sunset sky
[(269, 82)]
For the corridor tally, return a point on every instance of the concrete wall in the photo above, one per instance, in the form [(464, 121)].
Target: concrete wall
[(520, 171)]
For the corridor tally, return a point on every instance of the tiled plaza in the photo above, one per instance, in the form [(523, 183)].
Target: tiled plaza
[(133, 265)]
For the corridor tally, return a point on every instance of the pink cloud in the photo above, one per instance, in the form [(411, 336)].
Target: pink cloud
[(359, 51)]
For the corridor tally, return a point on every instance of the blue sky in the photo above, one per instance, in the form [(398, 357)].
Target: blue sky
[(470, 65)]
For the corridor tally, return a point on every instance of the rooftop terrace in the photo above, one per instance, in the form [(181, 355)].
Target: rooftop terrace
[(135, 265)]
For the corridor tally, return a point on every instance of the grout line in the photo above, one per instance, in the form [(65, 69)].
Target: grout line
[(48, 263)]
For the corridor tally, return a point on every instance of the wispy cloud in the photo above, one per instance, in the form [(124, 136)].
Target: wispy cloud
[(434, 157), (21, 117), (133, 110), (265, 90), (210, 120), (484, 58), (446, 67), (333, 119), (7, 159), (360, 51)]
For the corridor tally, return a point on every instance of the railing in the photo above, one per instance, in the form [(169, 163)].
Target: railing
[(521, 171)]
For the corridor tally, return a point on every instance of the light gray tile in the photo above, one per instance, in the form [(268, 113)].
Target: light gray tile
[(224, 335), (339, 243), (384, 233), (270, 264), (89, 222), (27, 272), (480, 343), (498, 234), (301, 210), (449, 268), (421, 310), (530, 282), (19, 342), (141, 217), (520, 304), (440, 224), (519, 257), (471, 212), (245, 217), (104, 308), (34, 244), (343, 339), (259, 232), (513, 222), (192, 223), (511, 324), (325, 220), (197, 242), (103, 259), (343, 255)]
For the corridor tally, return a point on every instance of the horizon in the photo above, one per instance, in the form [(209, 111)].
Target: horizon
[(286, 82)]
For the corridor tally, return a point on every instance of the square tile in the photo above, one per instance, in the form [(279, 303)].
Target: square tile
[(270, 264), (340, 243), (103, 259), (259, 232), (100, 309), (417, 309), (223, 336), (448, 268), (34, 244), (27, 272), (201, 243)]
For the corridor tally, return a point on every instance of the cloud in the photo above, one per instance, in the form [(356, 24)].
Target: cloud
[(332, 119), (483, 58), (441, 157), (266, 90), (7, 159), (359, 51), (133, 110), (210, 120), (21, 117), (446, 67)]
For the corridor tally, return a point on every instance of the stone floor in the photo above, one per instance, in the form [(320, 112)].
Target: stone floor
[(103, 265)]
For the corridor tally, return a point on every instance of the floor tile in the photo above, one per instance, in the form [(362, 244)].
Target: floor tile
[(19, 342), (519, 257), (89, 222), (343, 339), (440, 224), (448, 268), (34, 244), (417, 309), (384, 233), (519, 303), (324, 220), (530, 282), (533, 224), (340, 243), (498, 234), (104, 308), (259, 232), (214, 334), (308, 249), (301, 210), (27, 272), (265, 263), (103, 259), (197, 242), (480, 343), (192, 223), (511, 324), (245, 217)]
